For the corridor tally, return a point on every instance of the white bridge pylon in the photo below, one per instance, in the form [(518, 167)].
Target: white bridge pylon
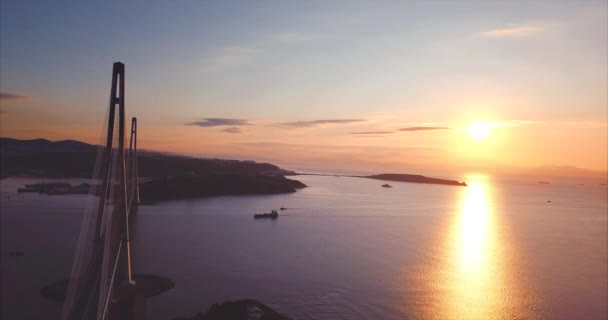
[(101, 284)]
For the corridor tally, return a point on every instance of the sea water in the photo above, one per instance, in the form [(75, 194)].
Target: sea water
[(345, 248)]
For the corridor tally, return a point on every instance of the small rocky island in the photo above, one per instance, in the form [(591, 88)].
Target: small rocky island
[(414, 178), (238, 310), (59, 188)]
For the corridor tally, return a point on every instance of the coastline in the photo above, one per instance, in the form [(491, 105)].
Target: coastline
[(398, 177)]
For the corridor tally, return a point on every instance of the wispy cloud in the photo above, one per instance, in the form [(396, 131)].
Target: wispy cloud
[(315, 123), (230, 57), (513, 31), (513, 123), (296, 37), (244, 54), (519, 122), (233, 130), (218, 122), (422, 128), (5, 96), (371, 132)]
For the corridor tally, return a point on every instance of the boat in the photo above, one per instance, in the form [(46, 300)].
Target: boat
[(283, 208), (386, 185), (272, 215)]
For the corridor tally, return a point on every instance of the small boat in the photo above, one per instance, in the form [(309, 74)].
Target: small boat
[(386, 185), (543, 182), (17, 253), (272, 215), (283, 208)]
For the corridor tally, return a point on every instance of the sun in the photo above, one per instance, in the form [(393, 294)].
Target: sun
[(480, 130)]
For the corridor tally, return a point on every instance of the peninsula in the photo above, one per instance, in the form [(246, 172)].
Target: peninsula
[(400, 177), (179, 188), (163, 176), (414, 178)]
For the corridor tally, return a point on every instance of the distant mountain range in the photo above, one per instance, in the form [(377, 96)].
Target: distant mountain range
[(75, 159), (16, 146), (71, 158), (567, 171)]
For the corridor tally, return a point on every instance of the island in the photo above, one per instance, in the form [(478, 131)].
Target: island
[(238, 310), (59, 188), (414, 178)]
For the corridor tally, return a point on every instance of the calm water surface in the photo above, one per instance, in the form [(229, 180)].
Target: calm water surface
[(345, 249)]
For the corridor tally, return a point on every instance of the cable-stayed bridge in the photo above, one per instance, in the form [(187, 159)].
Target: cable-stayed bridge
[(102, 284)]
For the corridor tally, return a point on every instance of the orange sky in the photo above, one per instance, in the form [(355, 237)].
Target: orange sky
[(355, 87)]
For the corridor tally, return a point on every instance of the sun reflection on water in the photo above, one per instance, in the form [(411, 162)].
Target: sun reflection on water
[(471, 295), (471, 271), (473, 227)]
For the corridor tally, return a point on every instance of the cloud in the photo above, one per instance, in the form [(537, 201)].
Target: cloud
[(296, 37), (315, 123), (514, 123), (513, 32), (5, 96), (371, 132), (370, 136), (422, 128), (245, 54), (218, 122), (517, 123), (231, 57), (233, 130)]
